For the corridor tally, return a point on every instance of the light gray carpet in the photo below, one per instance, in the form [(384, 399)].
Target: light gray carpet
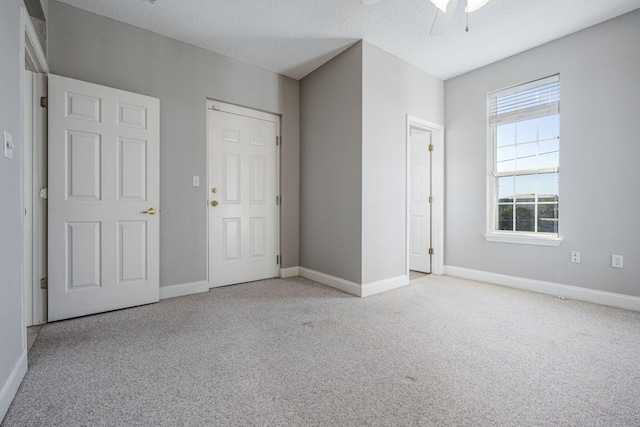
[(442, 351)]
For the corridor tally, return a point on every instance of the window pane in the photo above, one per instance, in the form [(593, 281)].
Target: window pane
[(526, 156), (528, 163), (506, 153), (505, 189), (549, 127), (548, 218), (526, 150), (505, 217), (526, 188), (548, 160), (548, 187), (509, 165), (549, 146), (525, 220), (527, 130), (506, 134)]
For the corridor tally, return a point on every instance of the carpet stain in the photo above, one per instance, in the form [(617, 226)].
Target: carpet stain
[(309, 324), (411, 379)]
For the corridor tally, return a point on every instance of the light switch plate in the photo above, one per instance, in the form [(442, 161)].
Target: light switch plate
[(8, 145), (196, 181)]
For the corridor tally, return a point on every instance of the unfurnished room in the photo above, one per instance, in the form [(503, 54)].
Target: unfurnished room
[(319, 213)]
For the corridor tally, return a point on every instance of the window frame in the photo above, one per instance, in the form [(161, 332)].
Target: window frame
[(492, 233)]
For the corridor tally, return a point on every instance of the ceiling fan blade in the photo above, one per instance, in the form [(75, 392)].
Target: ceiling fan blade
[(442, 20), (369, 2)]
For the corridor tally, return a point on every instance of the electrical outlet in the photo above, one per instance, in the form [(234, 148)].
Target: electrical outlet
[(616, 261), (575, 257)]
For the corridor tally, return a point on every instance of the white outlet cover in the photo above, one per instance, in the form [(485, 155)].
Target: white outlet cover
[(617, 261), (575, 257)]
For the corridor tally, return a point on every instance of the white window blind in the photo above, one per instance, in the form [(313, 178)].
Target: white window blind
[(535, 99)]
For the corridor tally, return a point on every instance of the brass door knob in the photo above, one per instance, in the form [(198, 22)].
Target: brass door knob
[(150, 211), (214, 203)]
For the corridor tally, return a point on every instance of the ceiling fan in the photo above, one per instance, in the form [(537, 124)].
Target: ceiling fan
[(446, 9)]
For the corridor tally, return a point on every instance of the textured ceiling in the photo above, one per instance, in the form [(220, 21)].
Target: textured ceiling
[(293, 37)]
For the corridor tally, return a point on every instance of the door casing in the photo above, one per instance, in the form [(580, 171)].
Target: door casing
[(437, 183), (34, 162), (31, 53)]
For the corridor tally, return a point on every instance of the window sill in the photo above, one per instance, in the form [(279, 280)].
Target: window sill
[(523, 239)]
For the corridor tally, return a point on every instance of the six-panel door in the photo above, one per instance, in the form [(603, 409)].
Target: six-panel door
[(242, 225), (103, 174), (419, 206)]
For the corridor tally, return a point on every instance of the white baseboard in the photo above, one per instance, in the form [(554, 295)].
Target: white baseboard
[(10, 387), (373, 288), (566, 291), (289, 272), (353, 288), (183, 289), (335, 282)]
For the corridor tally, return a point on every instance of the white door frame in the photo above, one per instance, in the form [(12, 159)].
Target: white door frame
[(437, 183), (212, 104), (31, 52)]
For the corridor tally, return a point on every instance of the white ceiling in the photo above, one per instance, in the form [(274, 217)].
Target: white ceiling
[(293, 37)]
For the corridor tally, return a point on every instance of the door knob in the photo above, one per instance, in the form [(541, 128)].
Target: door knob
[(214, 203), (150, 211)]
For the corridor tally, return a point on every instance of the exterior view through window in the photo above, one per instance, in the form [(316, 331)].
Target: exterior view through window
[(525, 146)]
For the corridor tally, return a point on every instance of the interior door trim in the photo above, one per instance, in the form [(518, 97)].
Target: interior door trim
[(437, 182), (31, 53)]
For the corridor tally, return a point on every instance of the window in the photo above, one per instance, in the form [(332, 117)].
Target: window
[(524, 147)]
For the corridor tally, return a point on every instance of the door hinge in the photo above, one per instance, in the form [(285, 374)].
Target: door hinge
[(277, 140), (43, 283), (430, 251), (277, 200), (44, 102), (430, 199), (430, 147), (277, 259), (44, 193)]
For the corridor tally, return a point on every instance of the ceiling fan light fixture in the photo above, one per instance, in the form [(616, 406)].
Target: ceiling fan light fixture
[(473, 5), (441, 4)]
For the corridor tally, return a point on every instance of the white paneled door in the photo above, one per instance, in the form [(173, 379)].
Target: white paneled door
[(419, 206), (242, 196), (103, 198)]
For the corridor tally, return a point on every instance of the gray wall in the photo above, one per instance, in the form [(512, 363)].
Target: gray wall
[(11, 326), (89, 47), (331, 168), (392, 88), (599, 154), (353, 161)]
